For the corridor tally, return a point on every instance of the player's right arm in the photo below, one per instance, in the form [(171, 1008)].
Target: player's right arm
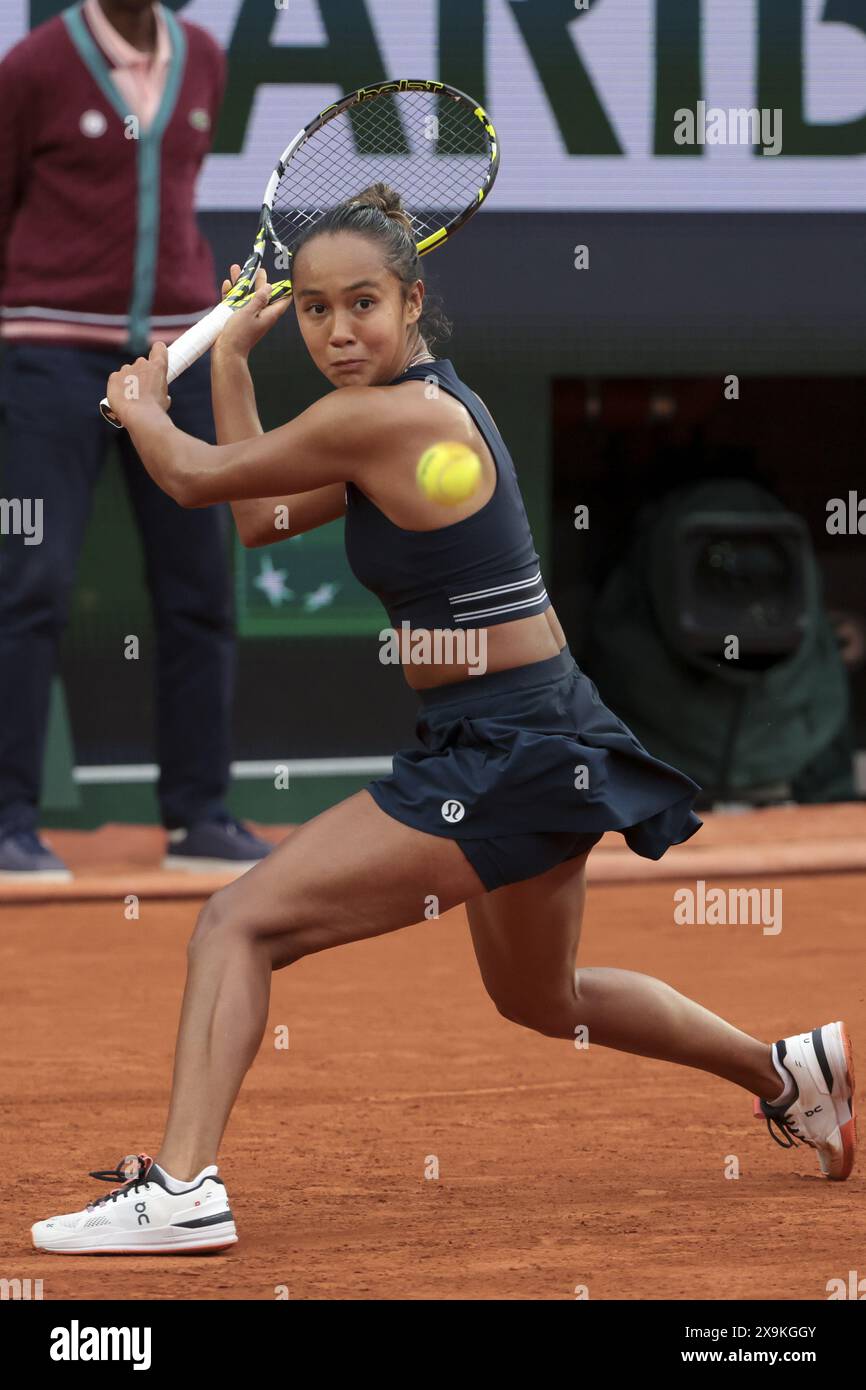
[(260, 520)]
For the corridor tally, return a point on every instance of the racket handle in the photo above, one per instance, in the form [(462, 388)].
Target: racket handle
[(185, 350)]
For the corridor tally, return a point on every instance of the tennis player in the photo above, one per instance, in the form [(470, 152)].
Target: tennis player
[(521, 769)]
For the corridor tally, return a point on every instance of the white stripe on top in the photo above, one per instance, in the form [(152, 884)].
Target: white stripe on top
[(503, 608), (497, 589)]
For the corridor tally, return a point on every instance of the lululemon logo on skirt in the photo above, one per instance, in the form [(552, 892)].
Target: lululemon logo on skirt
[(453, 810)]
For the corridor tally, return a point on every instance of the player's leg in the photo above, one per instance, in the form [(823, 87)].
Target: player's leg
[(526, 937), (350, 873)]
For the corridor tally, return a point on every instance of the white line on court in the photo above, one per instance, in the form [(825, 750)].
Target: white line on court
[(265, 770), (475, 1091)]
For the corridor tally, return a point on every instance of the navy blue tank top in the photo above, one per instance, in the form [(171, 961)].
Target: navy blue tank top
[(477, 572)]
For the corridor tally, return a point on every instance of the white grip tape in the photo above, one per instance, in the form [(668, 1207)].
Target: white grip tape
[(185, 350), (189, 347)]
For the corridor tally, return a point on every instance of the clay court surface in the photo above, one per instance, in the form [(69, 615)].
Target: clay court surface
[(558, 1167)]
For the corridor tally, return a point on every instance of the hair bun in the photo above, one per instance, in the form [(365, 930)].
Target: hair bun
[(387, 200)]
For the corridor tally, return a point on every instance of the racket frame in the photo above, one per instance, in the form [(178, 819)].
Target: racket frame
[(195, 342)]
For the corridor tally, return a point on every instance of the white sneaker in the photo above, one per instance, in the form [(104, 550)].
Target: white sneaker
[(142, 1217), (822, 1112)]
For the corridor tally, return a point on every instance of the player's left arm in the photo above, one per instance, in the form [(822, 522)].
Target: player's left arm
[(334, 440)]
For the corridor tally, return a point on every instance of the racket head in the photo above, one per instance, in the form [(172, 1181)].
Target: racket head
[(435, 145)]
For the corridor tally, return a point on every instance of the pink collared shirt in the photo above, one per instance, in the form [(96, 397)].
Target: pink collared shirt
[(139, 77)]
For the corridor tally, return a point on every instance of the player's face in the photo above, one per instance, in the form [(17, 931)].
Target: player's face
[(353, 314)]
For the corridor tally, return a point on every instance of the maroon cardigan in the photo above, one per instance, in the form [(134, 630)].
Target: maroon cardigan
[(98, 237)]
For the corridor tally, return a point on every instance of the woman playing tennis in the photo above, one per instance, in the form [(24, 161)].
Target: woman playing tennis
[(521, 769)]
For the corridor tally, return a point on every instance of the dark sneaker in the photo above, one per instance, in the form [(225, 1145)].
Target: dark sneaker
[(213, 845), (23, 856)]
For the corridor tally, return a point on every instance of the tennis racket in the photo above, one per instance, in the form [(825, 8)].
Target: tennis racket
[(434, 144)]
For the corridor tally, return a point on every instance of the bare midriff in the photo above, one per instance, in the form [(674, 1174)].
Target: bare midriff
[(518, 643)]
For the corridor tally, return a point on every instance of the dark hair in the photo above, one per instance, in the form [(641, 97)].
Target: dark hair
[(378, 213)]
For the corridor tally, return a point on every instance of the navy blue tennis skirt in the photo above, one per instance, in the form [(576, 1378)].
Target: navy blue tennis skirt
[(527, 768)]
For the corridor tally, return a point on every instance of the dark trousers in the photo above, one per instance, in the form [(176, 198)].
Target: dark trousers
[(56, 443)]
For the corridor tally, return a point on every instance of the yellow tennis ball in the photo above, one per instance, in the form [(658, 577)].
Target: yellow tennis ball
[(448, 472)]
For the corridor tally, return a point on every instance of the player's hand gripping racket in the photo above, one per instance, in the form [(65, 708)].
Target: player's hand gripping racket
[(433, 143)]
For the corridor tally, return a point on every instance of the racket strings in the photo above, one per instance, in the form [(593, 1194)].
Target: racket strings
[(432, 150)]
